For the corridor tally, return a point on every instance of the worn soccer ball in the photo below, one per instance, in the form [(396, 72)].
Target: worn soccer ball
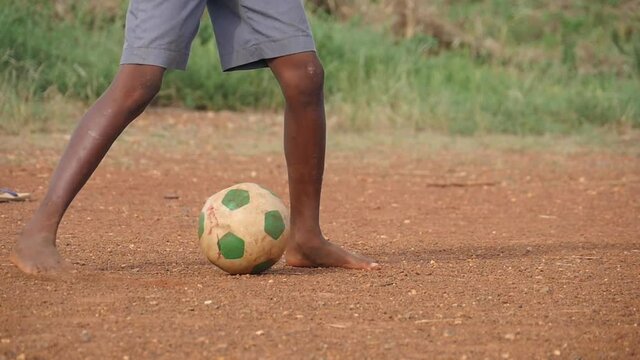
[(243, 229)]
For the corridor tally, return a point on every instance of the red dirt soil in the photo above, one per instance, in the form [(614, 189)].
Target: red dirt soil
[(486, 254)]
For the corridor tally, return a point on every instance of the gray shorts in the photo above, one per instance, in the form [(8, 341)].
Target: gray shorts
[(160, 32)]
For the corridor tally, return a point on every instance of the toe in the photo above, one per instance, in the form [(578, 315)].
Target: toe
[(364, 265)]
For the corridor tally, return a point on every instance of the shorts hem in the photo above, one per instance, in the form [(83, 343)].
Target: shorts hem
[(255, 56), (165, 58)]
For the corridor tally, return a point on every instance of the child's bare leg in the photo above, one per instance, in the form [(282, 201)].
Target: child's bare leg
[(301, 78), (128, 95)]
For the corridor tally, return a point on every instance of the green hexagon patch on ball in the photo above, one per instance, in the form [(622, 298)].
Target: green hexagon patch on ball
[(263, 266), (231, 246), (274, 224), (201, 225), (235, 199)]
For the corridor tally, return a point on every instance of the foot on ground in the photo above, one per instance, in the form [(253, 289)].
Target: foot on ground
[(37, 254), (322, 253)]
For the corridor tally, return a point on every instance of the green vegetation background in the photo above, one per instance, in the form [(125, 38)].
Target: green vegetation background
[(561, 70)]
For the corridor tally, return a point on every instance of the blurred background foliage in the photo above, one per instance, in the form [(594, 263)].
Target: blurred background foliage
[(467, 67)]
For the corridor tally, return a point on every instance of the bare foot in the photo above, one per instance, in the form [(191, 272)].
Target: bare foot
[(37, 254), (321, 253)]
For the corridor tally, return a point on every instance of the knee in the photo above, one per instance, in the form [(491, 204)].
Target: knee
[(304, 82), (133, 93), (136, 97)]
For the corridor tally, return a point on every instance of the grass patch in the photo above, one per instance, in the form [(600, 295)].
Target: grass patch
[(50, 60)]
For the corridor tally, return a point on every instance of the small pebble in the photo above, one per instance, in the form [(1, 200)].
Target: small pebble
[(85, 335)]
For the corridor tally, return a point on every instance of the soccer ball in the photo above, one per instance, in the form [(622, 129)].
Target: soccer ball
[(243, 229)]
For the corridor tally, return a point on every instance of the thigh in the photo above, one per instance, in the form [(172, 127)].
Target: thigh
[(160, 32)]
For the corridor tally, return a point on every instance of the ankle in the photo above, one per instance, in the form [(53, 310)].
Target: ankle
[(307, 230), (37, 228), (307, 241)]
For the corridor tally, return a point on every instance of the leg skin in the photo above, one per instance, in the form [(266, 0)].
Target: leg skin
[(128, 95), (301, 79)]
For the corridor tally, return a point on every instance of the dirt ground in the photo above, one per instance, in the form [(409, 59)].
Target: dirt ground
[(487, 252)]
